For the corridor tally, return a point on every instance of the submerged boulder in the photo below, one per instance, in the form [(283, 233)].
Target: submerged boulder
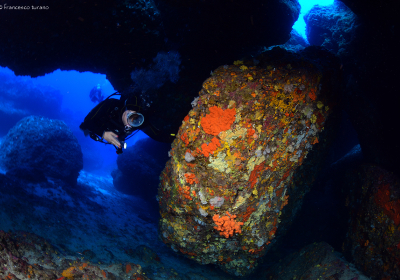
[(245, 156), (333, 27), (43, 144), (29, 174), (139, 168), (314, 261)]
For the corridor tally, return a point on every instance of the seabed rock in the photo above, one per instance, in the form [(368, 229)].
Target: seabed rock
[(44, 144)]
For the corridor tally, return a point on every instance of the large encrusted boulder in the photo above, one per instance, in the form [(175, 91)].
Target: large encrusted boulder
[(244, 157), (44, 144)]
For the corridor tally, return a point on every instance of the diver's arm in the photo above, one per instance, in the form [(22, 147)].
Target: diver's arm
[(96, 121), (92, 127)]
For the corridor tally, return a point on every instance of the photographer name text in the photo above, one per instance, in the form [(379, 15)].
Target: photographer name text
[(32, 7)]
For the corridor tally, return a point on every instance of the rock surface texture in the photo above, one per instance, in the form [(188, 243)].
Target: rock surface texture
[(332, 27), (314, 261), (370, 68), (20, 249), (45, 144), (139, 168), (234, 176), (115, 37), (373, 241)]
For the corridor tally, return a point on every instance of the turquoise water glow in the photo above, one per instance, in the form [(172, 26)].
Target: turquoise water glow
[(306, 5)]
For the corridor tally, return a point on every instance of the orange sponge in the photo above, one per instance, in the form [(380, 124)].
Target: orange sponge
[(69, 273), (227, 224), (191, 178), (218, 120), (211, 147)]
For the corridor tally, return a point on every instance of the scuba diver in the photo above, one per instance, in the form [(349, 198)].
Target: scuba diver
[(95, 94), (116, 120)]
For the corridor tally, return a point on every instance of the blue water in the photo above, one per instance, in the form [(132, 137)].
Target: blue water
[(306, 5), (74, 88)]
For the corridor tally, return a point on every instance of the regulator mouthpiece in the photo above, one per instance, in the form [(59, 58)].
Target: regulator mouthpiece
[(135, 119)]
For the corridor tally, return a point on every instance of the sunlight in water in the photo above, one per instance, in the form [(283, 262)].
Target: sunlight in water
[(306, 5)]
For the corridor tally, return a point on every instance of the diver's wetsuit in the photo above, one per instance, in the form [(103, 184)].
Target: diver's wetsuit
[(107, 116)]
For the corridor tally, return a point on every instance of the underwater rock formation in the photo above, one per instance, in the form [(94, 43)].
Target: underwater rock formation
[(238, 168), (29, 174), (45, 144), (314, 261), (370, 62), (25, 255), (332, 27), (294, 44), (21, 97), (373, 240), (117, 37), (139, 168)]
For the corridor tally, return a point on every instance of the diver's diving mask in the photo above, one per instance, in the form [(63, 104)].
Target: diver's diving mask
[(134, 119)]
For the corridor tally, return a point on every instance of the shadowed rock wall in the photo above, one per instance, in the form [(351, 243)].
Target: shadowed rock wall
[(370, 59), (116, 37)]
